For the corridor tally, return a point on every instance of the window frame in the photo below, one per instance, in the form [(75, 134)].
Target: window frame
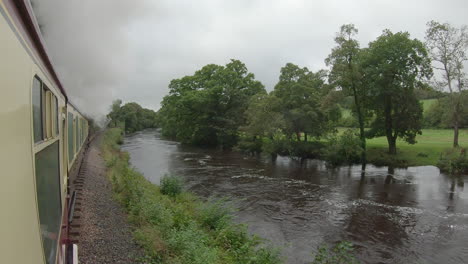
[(41, 106)]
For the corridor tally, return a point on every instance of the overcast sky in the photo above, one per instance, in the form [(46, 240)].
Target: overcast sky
[(131, 49)]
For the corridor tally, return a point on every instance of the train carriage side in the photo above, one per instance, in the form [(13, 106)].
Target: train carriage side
[(34, 153)]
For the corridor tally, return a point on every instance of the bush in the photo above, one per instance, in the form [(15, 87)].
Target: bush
[(215, 214), (342, 253), (453, 161), (306, 150), (171, 185), (349, 121), (346, 149), (250, 145)]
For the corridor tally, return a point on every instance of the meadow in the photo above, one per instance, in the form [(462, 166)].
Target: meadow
[(426, 151)]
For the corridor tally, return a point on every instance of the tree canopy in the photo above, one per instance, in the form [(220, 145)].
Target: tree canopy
[(395, 65), (207, 108), (131, 117)]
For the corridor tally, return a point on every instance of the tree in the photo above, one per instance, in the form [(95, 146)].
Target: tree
[(394, 66), (131, 117), (207, 108), (448, 46), (113, 114), (440, 114), (346, 74), (263, 115), (300, 92)]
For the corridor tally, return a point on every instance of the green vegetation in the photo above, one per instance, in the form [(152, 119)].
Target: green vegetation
[(430, 145), (342, 253), (347, 148), (454, 161), (385, 90), (131, 117), (428, 104), (439, 113), (448, 46), (179, 227), (207, 108)]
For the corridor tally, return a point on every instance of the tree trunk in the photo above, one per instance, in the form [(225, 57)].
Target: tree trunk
[(362, 134), (455, 133), (456, 117), (305, 136), (389, 127), (298, 134), (391, 145)]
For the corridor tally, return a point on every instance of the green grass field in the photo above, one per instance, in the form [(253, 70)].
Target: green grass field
[(425, 152)]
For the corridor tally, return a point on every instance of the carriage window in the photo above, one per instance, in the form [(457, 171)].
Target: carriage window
[(48, 113), (70, 137), (37, 109), (77, 135), (48, 198), (57, 124)]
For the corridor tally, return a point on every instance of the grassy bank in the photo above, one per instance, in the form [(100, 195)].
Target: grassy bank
[(426, 151), (178, 227)]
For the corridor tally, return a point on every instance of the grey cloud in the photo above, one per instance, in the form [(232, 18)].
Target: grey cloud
[(131, 50)]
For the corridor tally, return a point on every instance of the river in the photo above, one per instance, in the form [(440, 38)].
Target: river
[(414, 215)]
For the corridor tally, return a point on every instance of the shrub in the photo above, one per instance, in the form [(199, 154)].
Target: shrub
[(215, 214), (349, 121), (171, 185), (306, 150), (453, 161), (342, 253), (250, 145), (344, 149), (275, 146)]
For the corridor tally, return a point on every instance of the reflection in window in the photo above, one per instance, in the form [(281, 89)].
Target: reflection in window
[(48, 198), (37, 109)]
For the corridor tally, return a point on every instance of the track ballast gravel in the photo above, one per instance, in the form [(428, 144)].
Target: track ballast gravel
[(105, 234)]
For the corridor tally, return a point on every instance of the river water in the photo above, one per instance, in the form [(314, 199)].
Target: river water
[(414, 215)]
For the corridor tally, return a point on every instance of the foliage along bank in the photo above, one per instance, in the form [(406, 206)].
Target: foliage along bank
[(225, 106), (174, 226), (131, 117)]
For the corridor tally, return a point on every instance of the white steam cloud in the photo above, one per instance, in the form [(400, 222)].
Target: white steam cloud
[(87, 42)]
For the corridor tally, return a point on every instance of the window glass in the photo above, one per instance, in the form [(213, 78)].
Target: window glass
[(48, 114), (48, 199), (70, 137), (37, 109), (57, 124)]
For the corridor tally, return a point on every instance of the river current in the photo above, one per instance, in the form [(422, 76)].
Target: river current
[(414, 215)]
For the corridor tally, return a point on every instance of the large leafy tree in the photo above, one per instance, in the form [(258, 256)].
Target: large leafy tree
[(131, 117), (264, 118), (207, 108), (300, 92), (346, 74), (448, 46), (395, 65)]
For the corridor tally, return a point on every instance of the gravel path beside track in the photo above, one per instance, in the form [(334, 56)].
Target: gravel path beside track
[(105, 234)]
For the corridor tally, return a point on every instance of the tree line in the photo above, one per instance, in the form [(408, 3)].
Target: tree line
[(224, 105), (131, 117)]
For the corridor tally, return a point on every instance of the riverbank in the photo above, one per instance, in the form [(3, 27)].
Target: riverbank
[(105, 236), (430, 145), (180, 228)]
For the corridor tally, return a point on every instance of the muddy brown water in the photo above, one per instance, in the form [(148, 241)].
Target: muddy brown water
[(414, 215)]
